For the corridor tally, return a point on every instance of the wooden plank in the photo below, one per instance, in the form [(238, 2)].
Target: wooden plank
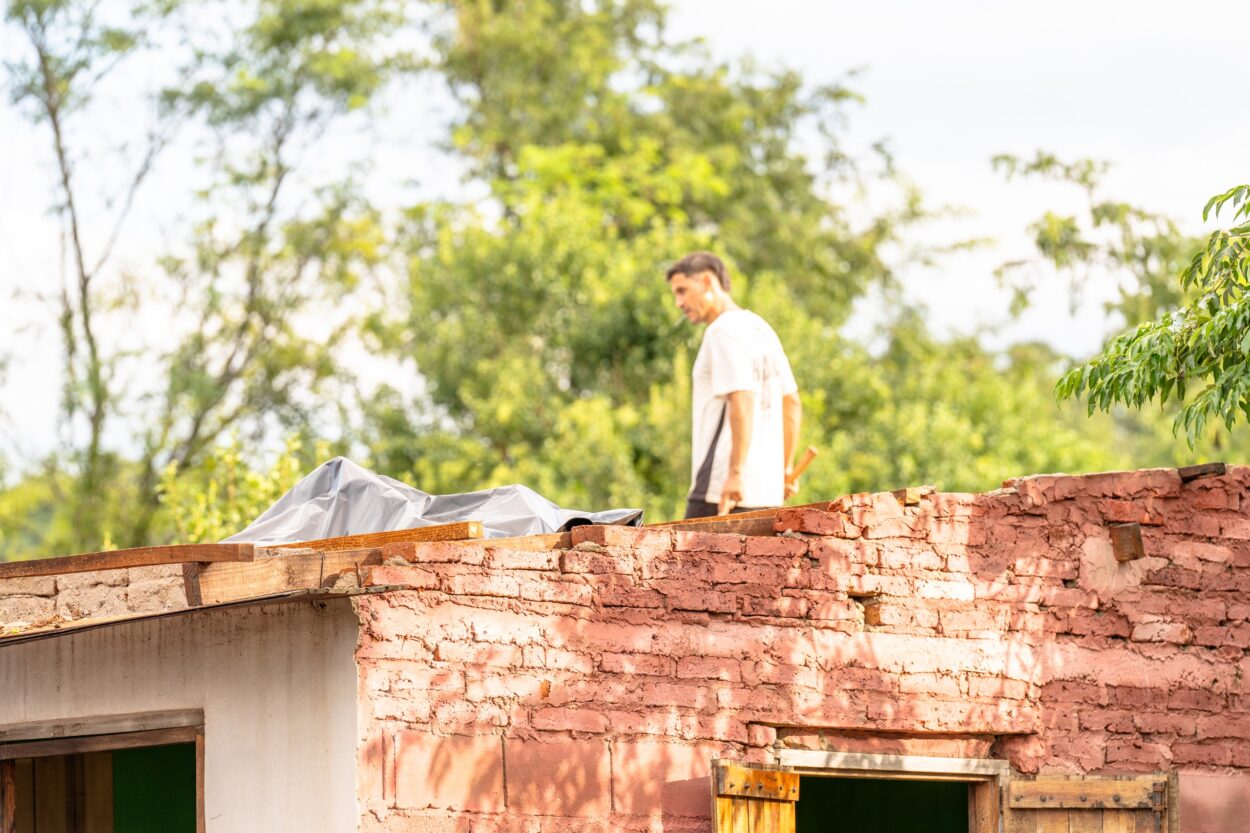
[(191, 583), (1174, 803), (1189, 473), (297, 570), (1052, 821), (741, 781), (764, 526), (1120, 821), (459, 531), (1116, 793), (98, 781), (8, 797), (822, 505), (1126, 542), (1086, 821), (59, 749), (25, 795), (51, 801), (533, 543), (121, 559), (983, 807), (200, 823)]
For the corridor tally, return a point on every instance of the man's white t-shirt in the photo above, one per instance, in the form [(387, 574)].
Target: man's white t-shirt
[(740, 352)]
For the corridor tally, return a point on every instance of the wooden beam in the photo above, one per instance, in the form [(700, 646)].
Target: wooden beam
[(763, 525), (459, 531), (1189, 473), (1129, 793), (8, 797), (96, 743), (113, 725), (1126, 542), (293, 570), (120, 559), (732, 780), (754, 513)]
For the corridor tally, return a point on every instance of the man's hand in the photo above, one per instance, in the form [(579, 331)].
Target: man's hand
[(792, 483), (730, 493)]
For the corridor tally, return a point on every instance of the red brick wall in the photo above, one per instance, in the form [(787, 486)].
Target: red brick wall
[(588, 687)]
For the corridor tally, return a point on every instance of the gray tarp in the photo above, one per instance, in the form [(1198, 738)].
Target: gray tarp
[(341, 498)]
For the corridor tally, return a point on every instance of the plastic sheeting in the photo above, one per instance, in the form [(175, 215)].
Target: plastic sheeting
[(342, 498)]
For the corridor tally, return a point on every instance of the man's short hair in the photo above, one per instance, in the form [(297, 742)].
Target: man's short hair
[(696, 262)]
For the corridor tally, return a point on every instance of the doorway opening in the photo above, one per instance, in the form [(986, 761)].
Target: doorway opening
[(891, 805), (142, 782)]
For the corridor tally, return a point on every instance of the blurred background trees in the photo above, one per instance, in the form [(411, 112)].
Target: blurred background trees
[(517, 329)]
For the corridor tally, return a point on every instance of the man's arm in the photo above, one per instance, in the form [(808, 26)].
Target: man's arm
[(741, 406), (791, 421)]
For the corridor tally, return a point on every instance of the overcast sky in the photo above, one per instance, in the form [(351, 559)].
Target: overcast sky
[(1149, 86)]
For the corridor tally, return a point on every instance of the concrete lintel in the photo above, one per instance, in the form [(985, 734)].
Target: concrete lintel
[(103, 725), (885, 764)]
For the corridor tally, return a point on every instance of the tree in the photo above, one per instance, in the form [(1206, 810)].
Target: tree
[(540, 321), (1203, 345), (267, 253)]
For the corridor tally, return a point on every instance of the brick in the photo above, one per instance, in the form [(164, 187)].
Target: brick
[(26, 609), (450, 552), (1173, 632), (707, 542), (761, 735), (483, 585), (449, 773), (703, 600), (1174, 577), (1208, 754), (645, 664), (97, 601), (782, 606), (663, 779), (416, 578), (558, 777), (709, 668), (766, 547), (584, 561), (544, 589), (1192, 698), (30, 586), (816, 522), (507, 559), (1126, 511), (741, 572), (479, 653), (1140, 753), (622, 591), (568, 719)]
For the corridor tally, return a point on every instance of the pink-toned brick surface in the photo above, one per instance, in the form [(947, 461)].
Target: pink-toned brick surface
[(612, 665), (461, 772), (570, 778)]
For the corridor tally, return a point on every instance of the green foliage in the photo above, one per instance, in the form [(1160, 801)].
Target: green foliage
[(1110, 240), (1203, 345), (223, 494), (547, 345)]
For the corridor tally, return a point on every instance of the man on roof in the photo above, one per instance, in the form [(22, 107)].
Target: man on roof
[(746, 402)]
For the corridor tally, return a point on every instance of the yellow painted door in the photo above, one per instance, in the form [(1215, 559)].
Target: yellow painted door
[(751, 800), (1090, 804)]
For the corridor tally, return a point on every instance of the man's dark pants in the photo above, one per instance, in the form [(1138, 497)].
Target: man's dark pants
[(703, 509)]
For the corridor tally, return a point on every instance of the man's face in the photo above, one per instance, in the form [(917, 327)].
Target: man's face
[(693, 295)]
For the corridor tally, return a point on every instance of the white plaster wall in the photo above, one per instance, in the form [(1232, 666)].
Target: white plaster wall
[(277, 685)]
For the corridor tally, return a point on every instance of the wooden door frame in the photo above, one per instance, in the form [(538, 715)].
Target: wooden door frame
[(105, 734), (986, 779)]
